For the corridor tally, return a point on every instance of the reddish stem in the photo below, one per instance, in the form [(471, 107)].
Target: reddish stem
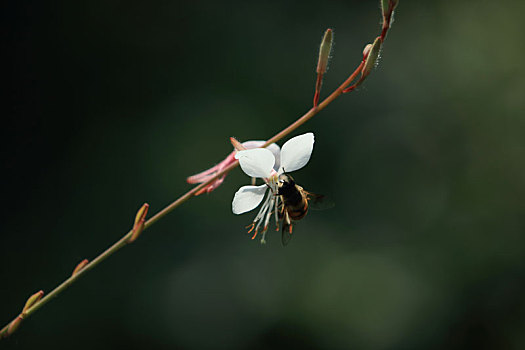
[(318, 85), (11, 326)]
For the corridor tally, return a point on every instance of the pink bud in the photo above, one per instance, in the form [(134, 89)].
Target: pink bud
[(13, 326), (207, 175), (236, 144), (371, 59), (80, 266), (140, 219), (366, 51)]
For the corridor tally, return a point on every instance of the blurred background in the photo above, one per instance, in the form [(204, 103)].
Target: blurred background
[(111, 104)]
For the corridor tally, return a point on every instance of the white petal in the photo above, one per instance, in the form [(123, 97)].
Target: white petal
[(256, 162), (296, 152), (276, 150), (248, 198), (253, 144)]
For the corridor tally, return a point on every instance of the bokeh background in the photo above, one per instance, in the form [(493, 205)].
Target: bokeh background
[(111, 104)]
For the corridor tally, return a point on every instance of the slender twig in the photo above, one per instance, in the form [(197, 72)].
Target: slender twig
[(124, 240), (28, 311)]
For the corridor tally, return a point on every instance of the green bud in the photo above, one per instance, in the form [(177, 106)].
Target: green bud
[(324, 51), (32, 300), (388, 6), (384, 6), (373, 54)]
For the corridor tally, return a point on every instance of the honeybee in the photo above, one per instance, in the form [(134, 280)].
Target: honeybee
[(295, 203)]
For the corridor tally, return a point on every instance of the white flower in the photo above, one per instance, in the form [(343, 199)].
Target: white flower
[(259, 163)]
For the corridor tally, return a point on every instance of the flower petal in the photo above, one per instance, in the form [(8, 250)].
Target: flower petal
[(296, 152), (248, 198), (256, 162), (276, 150)]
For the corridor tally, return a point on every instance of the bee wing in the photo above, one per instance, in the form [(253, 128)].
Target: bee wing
[(287, 229), (286, 235), (319, 201)]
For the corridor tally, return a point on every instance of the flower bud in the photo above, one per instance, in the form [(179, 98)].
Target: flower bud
[(373, 54), (236, 144), (324, 51), (384, 6), (80, 266), (366, 51), (388, 6), (32, 300), (13, 326), (140, 219)]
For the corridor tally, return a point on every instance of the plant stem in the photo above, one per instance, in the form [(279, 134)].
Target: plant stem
[(124, 240), (5, 331)]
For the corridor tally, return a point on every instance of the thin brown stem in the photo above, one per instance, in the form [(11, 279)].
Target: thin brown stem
[(124, 240), (6, 331)]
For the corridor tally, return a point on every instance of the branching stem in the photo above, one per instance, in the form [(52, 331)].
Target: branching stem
[(11, 326), (124, 240)]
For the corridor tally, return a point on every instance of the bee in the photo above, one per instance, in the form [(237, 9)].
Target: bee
[(295, 203)]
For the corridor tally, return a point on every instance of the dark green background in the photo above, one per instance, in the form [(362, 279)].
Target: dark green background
[(112, 103)]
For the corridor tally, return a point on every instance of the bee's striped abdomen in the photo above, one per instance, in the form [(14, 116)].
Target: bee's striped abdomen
[(294, 201)]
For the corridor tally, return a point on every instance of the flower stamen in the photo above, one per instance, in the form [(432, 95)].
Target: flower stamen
[(251, 226)]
